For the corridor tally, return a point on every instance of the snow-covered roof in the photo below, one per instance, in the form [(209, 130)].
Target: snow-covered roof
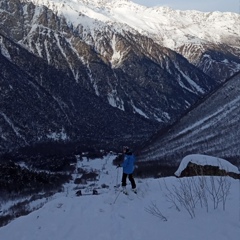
[(206, 160)]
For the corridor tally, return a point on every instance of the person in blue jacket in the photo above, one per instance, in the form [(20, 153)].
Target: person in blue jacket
[(128, 168)]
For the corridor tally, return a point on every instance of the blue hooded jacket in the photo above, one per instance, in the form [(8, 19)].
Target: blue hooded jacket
[(128, 163)]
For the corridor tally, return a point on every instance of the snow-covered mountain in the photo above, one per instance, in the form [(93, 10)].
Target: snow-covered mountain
[(211, 127), (135, 59), (203, 38), (168, 27)]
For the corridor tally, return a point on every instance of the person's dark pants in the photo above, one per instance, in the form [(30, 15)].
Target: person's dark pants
[(131, 179)]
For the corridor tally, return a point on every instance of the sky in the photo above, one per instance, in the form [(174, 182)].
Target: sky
[(153, 213), (200, 5)]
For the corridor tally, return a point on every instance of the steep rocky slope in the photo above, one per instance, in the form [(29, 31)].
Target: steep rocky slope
[(211, 127), (40, 103)]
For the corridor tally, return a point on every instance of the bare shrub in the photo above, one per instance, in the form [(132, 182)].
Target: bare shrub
[(218, 190), (193, 191), (154, 210), (171, 197), (186, 196)]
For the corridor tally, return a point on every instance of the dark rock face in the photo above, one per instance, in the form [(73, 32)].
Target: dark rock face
[(193, 169), (217, 61)]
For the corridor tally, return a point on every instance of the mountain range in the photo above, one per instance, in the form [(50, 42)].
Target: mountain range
[(106, 73)]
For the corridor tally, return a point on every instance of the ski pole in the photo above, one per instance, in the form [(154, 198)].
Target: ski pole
[(117, 177), (116, 197)]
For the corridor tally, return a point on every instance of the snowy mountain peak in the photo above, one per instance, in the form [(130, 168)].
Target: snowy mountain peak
[(72, 3), (171, 28)]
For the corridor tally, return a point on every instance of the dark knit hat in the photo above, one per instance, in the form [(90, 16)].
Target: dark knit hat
[(126, 149)]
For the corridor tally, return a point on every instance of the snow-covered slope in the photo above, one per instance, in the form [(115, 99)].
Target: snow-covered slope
[(172, 28), (208, 40), (211, 127), (114, 216)]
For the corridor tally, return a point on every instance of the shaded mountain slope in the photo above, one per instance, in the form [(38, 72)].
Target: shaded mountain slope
[(210, 128), (46, 104)]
